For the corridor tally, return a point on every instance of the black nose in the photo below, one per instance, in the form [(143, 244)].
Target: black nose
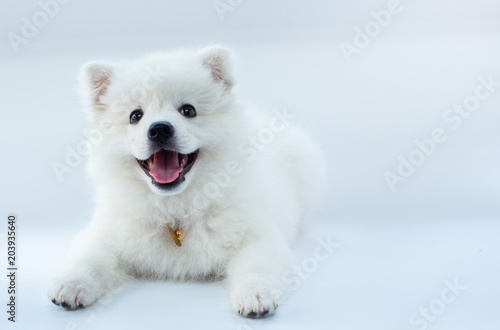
[(160, 131)]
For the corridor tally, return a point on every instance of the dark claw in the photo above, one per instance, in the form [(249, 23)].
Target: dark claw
[(252, 314), (64, 304), (265, 312), (55, 302), (79, 305)]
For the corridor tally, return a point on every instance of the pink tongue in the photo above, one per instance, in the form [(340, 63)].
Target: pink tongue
[(165, 167)]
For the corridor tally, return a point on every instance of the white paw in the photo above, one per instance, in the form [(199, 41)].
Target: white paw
[(74, 293), (254, 300)]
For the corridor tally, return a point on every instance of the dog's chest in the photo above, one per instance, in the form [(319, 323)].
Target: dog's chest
[(206, 247)]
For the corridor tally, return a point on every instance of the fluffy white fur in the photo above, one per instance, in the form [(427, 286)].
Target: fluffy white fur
[(241, 231)]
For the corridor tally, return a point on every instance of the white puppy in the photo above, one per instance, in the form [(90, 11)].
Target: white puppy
[(189, 183)]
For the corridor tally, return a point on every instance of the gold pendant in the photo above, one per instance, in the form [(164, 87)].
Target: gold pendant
[(176, 235)]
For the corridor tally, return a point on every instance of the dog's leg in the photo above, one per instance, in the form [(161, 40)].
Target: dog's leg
[(255, 276), (89, 271)]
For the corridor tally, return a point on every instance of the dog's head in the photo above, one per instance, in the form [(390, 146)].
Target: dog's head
[(164, 114)]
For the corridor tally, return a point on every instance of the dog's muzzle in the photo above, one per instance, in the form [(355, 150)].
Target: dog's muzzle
[(166, 167)]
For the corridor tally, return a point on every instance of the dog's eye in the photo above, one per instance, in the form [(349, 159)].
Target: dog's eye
[(135, 116), (188, 110)]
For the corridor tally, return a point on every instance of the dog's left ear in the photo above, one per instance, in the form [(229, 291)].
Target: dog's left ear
[(218, 60)]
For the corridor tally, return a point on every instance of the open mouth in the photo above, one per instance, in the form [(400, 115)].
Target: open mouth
[(167, 168)]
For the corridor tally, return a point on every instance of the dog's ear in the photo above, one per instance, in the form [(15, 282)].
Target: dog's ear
[(218, 60), (96, 78)]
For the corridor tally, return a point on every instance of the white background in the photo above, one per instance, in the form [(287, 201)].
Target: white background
[(396, 249)]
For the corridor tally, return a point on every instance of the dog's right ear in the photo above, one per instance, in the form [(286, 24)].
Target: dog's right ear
[(96, 78)]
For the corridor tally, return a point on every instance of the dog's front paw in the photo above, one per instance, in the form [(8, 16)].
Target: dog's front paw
[(74, 293), (254, 300)]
